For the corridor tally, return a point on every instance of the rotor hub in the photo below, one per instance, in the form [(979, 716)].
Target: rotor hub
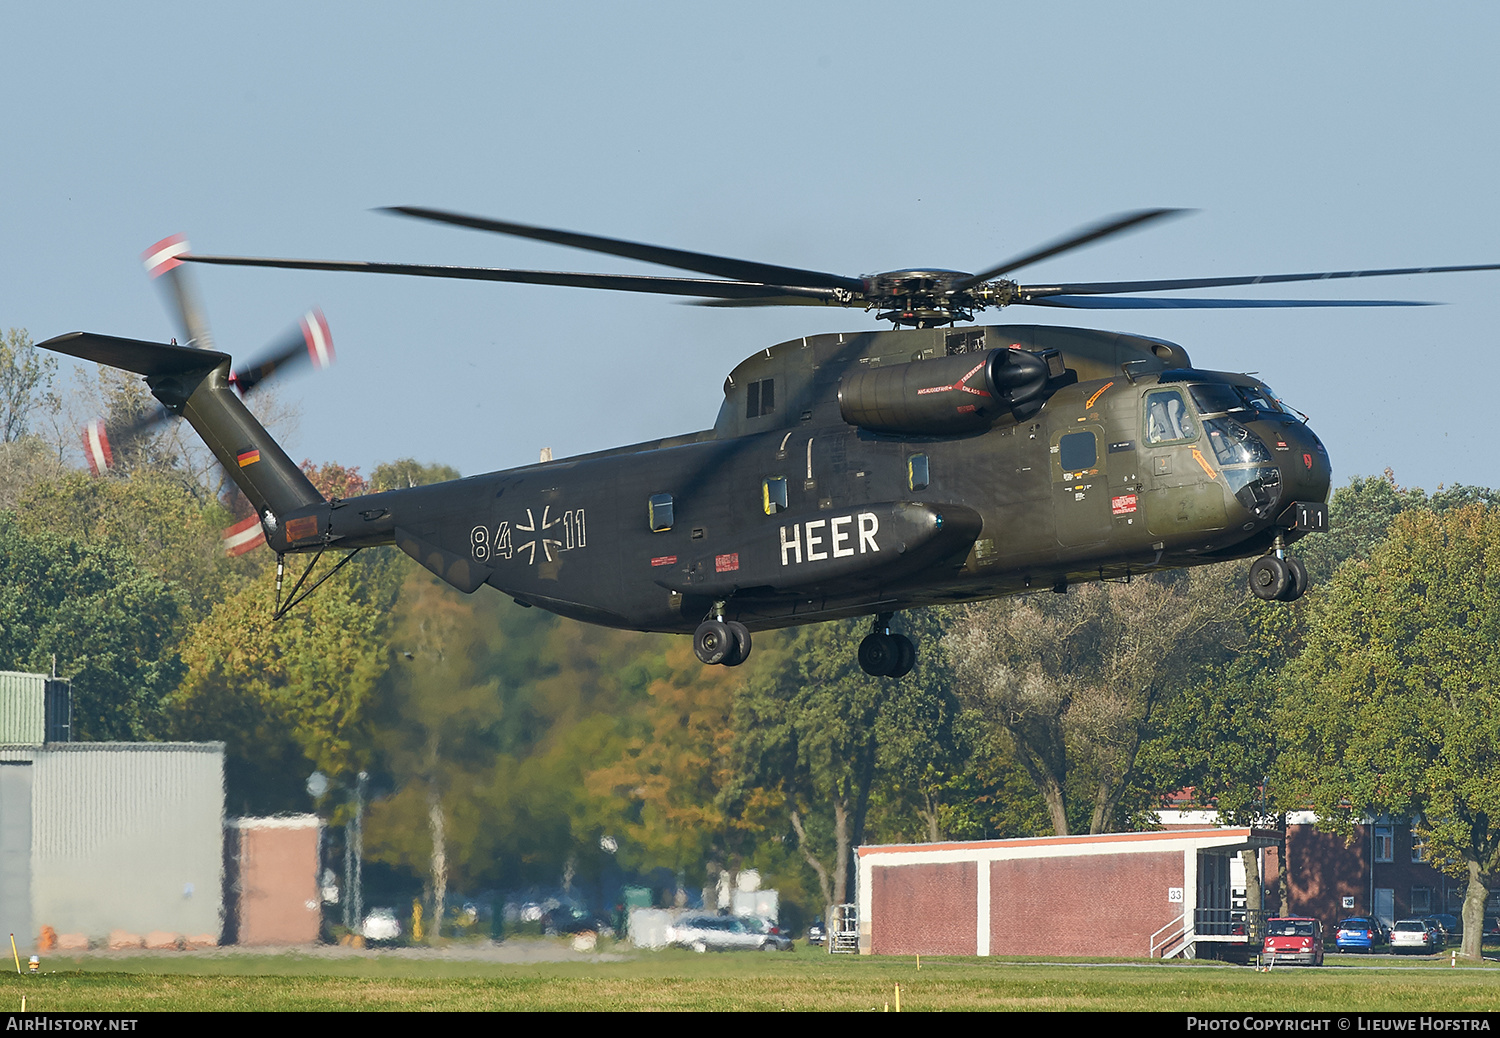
[(922, 298)]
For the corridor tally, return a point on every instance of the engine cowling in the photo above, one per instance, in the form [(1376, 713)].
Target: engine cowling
[(967, 392)]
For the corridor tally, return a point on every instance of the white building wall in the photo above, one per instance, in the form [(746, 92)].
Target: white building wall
[(128, 838)]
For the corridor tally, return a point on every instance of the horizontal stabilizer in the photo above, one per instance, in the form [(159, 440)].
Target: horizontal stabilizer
[(144, 358)]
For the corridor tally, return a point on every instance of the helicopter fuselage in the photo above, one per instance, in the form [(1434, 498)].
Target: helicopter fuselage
[(815, 497)]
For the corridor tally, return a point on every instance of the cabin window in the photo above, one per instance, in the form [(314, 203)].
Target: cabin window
[(1167, 418), (659, 512), (916, 472), (760, 397), (773, 494), (1078, 452)]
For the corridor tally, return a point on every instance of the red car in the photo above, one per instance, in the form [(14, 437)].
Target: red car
[(1294, 939)]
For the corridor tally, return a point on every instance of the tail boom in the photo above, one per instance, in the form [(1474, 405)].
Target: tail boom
[(196, 384)]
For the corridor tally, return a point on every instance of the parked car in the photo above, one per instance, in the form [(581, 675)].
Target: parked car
[(571, 919), (1413, 935), (1294, 939), (816, 934), (1358, 933), (1451, 925), (381, 926), (704, 933), (776, 938)]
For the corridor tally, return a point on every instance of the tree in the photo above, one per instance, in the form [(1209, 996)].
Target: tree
[(289, 695), (1399, 692), (153, 518), (26, 378), (435, 720), (811, 727), (657, 788), (1077, 681), (408, 472), (111, 628)]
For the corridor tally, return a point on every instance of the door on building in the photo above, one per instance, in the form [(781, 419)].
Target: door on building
[(1385, 905)]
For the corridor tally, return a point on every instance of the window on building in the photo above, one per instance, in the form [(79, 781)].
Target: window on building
[(773, 494), (1421, 900), (659, 512), (1385, 843), (1418, 846)]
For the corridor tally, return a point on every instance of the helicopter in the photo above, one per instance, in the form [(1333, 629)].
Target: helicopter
[(846, 475)]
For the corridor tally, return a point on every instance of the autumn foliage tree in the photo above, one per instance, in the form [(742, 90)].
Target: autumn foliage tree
[(1398, 693), (1077, 681)]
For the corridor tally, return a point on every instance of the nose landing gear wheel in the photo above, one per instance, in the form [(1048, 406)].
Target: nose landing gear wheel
[(1299, 579), (1275, 579)]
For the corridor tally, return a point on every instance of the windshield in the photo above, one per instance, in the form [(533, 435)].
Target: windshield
[(1290, 927), (1220, 397)]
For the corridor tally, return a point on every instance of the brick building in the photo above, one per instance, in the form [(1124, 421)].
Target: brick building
[(1127, 894), (1381, 869), (1384, 870)]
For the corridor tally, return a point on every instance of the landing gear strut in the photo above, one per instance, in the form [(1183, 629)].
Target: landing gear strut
[(886, 655), (1278, 578), (721, 641)]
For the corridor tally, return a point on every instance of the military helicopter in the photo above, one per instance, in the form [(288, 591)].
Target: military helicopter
[(854, 474)]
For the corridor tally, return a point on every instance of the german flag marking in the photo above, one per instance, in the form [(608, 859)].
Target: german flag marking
[(250, 457)]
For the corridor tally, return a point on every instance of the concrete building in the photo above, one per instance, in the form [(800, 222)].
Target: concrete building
[(112, 844)]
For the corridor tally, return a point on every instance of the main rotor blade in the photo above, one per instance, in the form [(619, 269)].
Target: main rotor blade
[(1174, 303), (706, 287), (1083, 236), (702, 263), (780, 300), (1033, 292)]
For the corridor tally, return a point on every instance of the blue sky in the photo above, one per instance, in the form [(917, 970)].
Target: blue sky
[(845, 137)]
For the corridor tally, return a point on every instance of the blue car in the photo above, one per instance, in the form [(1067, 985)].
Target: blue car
[(1359, 934)]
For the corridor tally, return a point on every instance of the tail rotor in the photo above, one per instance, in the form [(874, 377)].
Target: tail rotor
[(311, 339)]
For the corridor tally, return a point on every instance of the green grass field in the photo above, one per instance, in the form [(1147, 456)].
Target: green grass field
[(805, 980)]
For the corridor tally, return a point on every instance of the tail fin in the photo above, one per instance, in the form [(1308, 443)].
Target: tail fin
[(195, 384)]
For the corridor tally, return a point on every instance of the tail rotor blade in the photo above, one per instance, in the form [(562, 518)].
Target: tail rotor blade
[(166, 269), (243, 536), (96, 450), (101, 442), (312, 340)]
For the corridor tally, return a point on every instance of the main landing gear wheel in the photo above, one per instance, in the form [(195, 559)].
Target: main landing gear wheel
[(886, 655), (1275, 579), (716, 641), (741, 650)]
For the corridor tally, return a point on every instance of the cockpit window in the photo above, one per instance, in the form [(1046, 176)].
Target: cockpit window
[(1221, 398), (1167, 418), (1216, 398), (1261, 398)]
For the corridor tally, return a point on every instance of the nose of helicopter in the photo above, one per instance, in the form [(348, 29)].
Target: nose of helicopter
[(1306, 473)]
